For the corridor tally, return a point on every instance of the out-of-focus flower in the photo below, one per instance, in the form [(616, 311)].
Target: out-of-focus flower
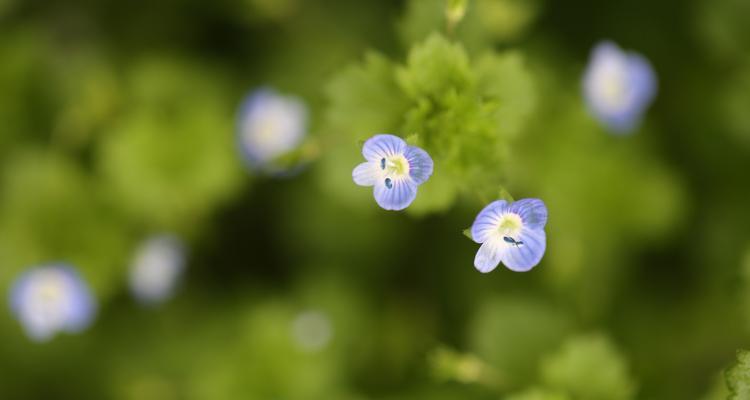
[(51, 298), (270, 125), (618, 86), (311, 331), (512, 233), (394, 168), (156, 268)]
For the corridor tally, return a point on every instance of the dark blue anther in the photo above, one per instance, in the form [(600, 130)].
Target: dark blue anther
[(388, 183), (382, 163), (512, 241)]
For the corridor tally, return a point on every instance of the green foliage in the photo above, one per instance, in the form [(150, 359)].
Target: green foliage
[(718, 390), (738, 377), (170, 157), (462, 113), (589, 368), (538, 394), (482, 23), (448, 364), (116, 121), (513, 333), (51, 211)]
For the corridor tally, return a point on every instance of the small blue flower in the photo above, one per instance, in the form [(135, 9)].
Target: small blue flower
[(50, 299), (270, 125), (511, 233), (618, 86), (157, 266), (394, 168)]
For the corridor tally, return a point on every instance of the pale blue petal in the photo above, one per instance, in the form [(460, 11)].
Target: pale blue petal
[(533, 212), (639, 87), (489, 255), (18, 291), (81, 306), (285, 116), (398, 197), (366, 174), (525, 257), (642, 81), (420, 164), (383, 145), (487, 220), (607, 49), (73, 312)]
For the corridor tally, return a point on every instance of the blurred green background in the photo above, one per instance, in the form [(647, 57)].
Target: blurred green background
[(117, 121)]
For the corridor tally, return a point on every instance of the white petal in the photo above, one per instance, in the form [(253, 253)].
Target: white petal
[(489, 255), (366, 174)]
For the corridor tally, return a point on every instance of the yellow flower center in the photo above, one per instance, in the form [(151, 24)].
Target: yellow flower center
[(510, 225), (395, 166)]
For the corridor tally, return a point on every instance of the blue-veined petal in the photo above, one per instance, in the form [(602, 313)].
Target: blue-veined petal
[(524, 257), (400, 194), (366, 174), (533, 212), (420, 164), (487, 220), (489, 255), (383, 145)]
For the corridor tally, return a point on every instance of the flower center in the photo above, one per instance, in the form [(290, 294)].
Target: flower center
[(509, 226), (395, 166), (612, 87)]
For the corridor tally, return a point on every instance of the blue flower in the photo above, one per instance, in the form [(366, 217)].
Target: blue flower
[(394, 168), (618, 86), (511, 233), (270, 125), (156, 268), (50, 299)]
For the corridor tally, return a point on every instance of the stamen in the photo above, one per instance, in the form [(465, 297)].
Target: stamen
[(388, 183), (512, 241), (382, 163)]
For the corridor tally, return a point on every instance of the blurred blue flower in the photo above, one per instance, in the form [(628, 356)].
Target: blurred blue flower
[(512, 233), (618, 86), (394, 168), (51, 298), (156, 268), (270, 125)]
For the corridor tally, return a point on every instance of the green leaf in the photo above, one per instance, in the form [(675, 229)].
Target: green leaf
[(589, 368), (448, 364), (454, 12), (364, 100), (738, 377), (171, 158), (505, 79), (503, 194), (467, 233), (538, 394), (435, 68), (512, 333)]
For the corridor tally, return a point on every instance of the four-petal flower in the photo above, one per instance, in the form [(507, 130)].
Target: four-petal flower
[(51, 299), (156, 268), (510, 233), (618, 86), (270, 125), (394, 169)]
